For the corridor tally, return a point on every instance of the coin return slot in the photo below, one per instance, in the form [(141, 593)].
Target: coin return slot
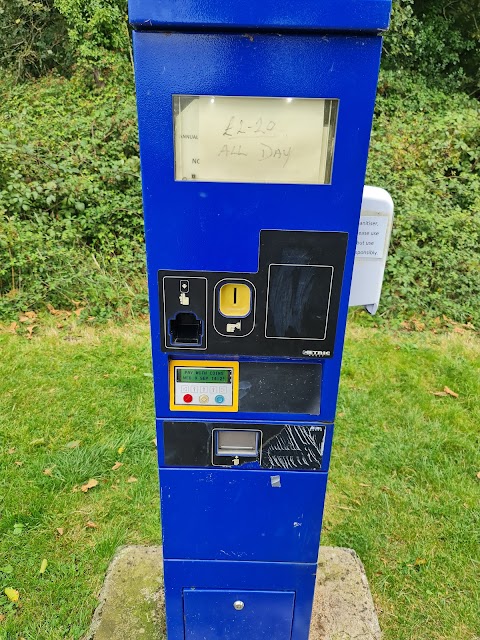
[(236, 442)]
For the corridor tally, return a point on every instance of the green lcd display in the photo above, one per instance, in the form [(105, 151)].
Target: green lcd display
[(220, 376)]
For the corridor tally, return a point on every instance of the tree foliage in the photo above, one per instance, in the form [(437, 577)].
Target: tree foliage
[(97, 30), (438, 39), (425, 151), (70, 207), (33, 38)]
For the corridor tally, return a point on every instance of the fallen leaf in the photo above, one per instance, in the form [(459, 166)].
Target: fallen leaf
[(12, 328), (117, 465), (364, 484), (132, 479), (60, 325), (89, 485), (120, 450), (440, 393), (48, 472), (91, 525), (31, 314), (419, 562), (10, 451), (450, 392), (154, 442), (2, 617), (73, 445), (24, 318), (478, 475), (60, 531), (76, 377), (30, 331), (43, 566), (18, 463), (38, 441), (106, 375), (12, 594), (78, 311)]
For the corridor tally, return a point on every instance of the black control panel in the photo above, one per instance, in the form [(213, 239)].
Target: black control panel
[(288, 308), (234, 444)]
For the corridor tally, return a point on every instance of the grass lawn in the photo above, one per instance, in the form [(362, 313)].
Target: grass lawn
[(403, 489)]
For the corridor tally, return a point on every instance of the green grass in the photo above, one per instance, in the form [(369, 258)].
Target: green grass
[(403, 488)]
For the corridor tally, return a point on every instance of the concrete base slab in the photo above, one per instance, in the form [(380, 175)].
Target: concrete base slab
[(132, 603)]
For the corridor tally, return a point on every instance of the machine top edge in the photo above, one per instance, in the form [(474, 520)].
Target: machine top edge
[(231, 15)]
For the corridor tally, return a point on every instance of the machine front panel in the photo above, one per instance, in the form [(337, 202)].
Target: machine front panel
[(239, 514), (284, 249)]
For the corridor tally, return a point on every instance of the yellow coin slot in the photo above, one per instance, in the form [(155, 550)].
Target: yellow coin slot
[(235, 300)]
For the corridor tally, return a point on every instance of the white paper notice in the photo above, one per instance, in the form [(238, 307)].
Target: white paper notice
[(187, 163), (273, 140), (372, 234), (260, 140)]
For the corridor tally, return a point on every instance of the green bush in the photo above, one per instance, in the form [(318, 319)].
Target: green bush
[(425, 151), (44, 35), (70, 205), (33, 38), (98, 32), (438, 39), (70, 209)]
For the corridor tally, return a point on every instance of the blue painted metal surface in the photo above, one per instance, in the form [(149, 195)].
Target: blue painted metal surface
[(234, 514), (361, 15), (259, 614), (244, 529), (195, 226), (231, 576)]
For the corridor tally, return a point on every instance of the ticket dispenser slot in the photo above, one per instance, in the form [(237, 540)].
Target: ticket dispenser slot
[(236, 442)]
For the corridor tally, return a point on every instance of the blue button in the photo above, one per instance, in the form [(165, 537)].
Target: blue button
[(219, 399)]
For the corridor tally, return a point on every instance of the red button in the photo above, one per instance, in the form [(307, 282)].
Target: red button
[(187, 397)]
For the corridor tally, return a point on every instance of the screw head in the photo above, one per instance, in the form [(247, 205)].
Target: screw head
[(238, 605)]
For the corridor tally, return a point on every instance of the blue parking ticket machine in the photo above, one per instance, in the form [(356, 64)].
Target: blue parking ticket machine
[(254, 124)]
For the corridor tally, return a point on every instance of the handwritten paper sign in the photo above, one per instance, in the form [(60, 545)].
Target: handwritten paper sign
[(273, 140)]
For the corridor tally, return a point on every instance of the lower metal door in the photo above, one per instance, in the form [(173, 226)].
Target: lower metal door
[(238, 615)]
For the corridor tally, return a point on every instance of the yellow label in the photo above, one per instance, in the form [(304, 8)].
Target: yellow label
[(204, 365)]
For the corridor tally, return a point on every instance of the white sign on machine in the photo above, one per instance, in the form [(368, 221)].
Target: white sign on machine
[(376, 220)]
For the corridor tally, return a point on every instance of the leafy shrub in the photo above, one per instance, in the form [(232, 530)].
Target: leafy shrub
[(70, 201), (33, 38), (98, 31), (425, 151), (37, 37), (437, 39)]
